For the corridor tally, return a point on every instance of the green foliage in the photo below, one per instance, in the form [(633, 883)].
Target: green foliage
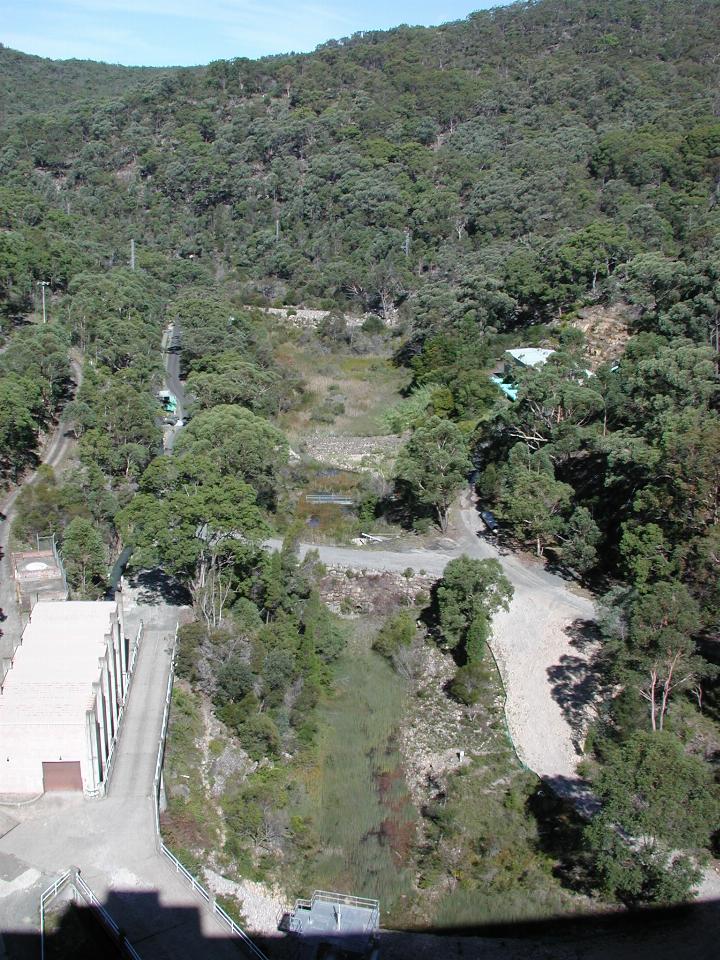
[(239, 443), (470, 683), (433, 464), (235, 679), (260, 737), (190, 638), (411, 411), (469, 594), (46, 506), (398, 631), (83, 554), (555, 160), (653, 792)]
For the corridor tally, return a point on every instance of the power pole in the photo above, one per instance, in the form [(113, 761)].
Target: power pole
[(406, 242), (42, 284), (132, 254)]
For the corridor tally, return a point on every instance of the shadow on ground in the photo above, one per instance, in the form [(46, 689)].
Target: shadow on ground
[(156, 587), (77, 932), (578, 682)]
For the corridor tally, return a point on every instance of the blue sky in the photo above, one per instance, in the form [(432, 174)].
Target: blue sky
[(163, 32)]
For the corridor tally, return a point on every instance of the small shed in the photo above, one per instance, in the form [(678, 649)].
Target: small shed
[(38, 575), (336, 924)]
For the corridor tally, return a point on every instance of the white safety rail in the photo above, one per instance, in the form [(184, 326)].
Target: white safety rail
[(46, 897), (73, 879), (92, 901), (197, 887)]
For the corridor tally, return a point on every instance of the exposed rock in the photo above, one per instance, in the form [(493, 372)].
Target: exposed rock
[(232, 764), (304, 317), (181, 790), (379, 592), (606, 332), (261, 905), (353, 453)]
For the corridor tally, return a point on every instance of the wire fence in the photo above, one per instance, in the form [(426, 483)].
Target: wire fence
[(504, 709)]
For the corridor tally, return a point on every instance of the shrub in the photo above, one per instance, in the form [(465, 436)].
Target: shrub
[(397, 631), (235, 680), (469, 683), (190, 638), (260, 737), (373, 324)]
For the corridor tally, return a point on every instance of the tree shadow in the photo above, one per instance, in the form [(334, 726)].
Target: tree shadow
[(560, 832), (576, 792), (578, 682), (157, 587)]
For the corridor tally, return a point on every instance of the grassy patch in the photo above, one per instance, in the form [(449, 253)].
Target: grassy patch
[(357, 800), (345, 394)]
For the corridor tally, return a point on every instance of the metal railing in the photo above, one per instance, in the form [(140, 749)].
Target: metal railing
[(73, 879), (295, 920), (46, 897), (102, 788), (181, 870), (92, 901)]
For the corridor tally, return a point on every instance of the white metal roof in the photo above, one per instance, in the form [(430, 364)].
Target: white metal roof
[(57, 663), (530, 356)]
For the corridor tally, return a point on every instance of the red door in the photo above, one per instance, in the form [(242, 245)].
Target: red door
[(62, 775)]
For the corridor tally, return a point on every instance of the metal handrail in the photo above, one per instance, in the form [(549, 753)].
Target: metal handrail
[(92, 901), (295, 921), (75, 881), (327, 896), (102, 789)]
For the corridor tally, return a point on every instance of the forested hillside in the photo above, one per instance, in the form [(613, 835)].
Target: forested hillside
[(479, 186), (30, 84)]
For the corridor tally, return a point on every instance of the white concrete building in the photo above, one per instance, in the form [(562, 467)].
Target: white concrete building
[(61, 700)]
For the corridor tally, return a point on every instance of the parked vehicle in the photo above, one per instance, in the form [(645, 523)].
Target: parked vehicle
[(168, 400), (490, 520)]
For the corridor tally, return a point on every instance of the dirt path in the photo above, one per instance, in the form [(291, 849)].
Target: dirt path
[(541, 647)]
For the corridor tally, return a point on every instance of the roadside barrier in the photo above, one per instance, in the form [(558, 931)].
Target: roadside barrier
[(103, 788)]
